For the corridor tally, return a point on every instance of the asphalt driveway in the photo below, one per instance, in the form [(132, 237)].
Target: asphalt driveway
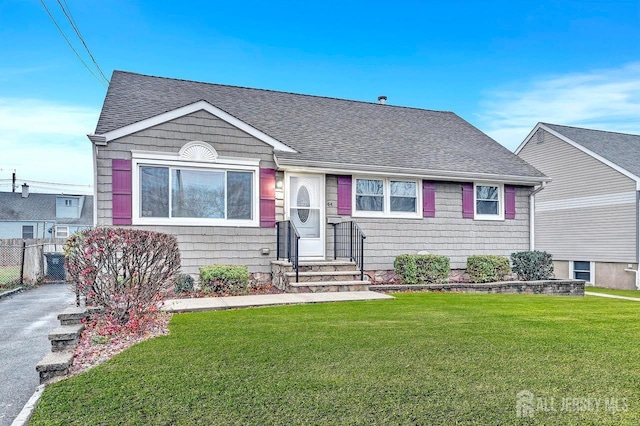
[(25, 322)]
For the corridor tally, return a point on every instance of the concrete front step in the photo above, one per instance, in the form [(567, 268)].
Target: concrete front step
[(54, 364), (323, 276), (327, 265), (65, 337), (327, 286)]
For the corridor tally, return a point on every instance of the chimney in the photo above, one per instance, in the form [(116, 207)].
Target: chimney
[(25, 190), (382, 100)]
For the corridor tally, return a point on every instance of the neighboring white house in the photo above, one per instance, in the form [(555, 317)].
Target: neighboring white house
[(587, 216), (27, 215)]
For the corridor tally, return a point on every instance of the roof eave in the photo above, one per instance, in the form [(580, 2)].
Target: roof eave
[(288, 164)]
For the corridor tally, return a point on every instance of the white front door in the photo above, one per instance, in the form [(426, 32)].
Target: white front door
[(306, 211)]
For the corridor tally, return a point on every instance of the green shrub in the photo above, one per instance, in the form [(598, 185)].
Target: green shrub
[(422, 268), (183, 284), (487, 268), (224, 279), (532, 265)]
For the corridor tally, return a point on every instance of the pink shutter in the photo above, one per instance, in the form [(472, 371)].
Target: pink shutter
[(509, 202), (428, 199), (467, 200), (121, 191), (344, 195), (267, 198)]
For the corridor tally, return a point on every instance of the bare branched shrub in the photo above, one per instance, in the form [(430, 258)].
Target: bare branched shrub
[(123, 270)]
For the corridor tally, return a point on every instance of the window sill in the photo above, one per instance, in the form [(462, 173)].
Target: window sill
[(196, 222)]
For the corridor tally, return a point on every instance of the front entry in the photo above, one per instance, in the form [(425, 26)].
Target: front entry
[(305, 208)]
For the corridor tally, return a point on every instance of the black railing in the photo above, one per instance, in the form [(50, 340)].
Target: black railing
[(348, 242), (287, 238)]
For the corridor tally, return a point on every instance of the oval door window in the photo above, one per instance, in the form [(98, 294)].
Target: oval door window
[(303, 200)]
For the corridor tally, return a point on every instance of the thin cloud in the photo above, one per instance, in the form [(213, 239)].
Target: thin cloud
[(45, 141), (606, 99)]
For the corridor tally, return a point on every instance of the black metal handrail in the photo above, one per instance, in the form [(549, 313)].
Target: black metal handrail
[(287, 240), (348, 242)]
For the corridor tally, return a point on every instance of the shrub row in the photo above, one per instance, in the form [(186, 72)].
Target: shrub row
[(434, 269)]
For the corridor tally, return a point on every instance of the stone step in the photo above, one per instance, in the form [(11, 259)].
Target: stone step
[(65, 337), (327, 286), (54, 364), (323, 276), (328, 265), (72, 315)]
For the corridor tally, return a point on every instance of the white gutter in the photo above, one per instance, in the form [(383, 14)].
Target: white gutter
[(532, 216), (302, 166)]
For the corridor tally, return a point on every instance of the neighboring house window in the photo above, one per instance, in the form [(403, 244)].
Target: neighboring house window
[(27, 232), (386, 197), (62, 231), (582, 270), (488, 199), (181, 194)]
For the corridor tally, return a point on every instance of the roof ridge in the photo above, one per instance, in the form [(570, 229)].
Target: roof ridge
[(591, 130), (280, 91)]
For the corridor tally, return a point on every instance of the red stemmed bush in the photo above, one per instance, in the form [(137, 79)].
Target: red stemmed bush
[(122, 270)]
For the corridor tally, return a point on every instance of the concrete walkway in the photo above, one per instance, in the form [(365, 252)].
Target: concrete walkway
[(611, 296), (26, 319), (233, 302)]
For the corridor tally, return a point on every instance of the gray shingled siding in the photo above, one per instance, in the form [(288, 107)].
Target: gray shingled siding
[(447, 233), (600, 233), (198, 245)]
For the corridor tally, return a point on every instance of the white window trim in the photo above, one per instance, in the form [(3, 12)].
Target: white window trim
[(500, 215), (58, 231), (33, 231), (386, 204), (154, 160), (592, 271)]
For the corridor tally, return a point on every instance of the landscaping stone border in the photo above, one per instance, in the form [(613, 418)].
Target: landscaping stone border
[(551, 287)]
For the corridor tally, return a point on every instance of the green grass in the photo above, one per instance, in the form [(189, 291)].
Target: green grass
[(424, 358), (627, 293), (8, 276)]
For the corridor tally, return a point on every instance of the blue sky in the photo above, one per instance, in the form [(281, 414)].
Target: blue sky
[(501, 65)]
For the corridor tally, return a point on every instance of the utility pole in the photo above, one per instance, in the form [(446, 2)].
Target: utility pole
[(13, 182)]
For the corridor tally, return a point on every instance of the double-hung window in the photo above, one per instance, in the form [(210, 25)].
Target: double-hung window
[(62, 231), (177, 194), (27, 232), (582, 270), (488, 201), (386, 197)]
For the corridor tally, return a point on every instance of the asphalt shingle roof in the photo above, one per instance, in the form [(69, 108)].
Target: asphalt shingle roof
[(40, 207), (620, 148), (324, 129)]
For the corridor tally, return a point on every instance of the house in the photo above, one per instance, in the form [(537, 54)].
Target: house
[(219, 165), (587, 216), (27, 215)]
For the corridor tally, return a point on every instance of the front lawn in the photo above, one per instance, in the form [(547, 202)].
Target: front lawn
[(627, 293), (424, 359)]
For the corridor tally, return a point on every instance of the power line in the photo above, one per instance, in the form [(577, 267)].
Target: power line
[(67, 13), (68, 42)]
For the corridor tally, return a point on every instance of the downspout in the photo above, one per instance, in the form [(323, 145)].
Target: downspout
[(635, 271), (532, 215)]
